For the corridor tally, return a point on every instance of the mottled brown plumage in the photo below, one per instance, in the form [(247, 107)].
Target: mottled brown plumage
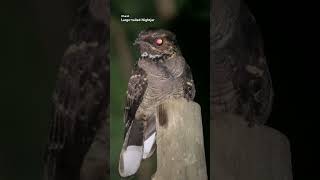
[(241, 81), (80, 102), (161, 73)]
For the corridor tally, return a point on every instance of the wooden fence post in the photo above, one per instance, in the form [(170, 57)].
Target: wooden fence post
[(180, 147)]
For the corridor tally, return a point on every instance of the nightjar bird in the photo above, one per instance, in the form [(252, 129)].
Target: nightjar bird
[(241, 81), (77, 145), (161, 73)]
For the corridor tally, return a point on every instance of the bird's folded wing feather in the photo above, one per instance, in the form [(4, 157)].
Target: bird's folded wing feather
[(136, 88)]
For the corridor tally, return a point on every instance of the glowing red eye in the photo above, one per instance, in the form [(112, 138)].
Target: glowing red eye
[(159, 41)]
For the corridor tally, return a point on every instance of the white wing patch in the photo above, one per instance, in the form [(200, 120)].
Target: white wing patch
[(148, 144)]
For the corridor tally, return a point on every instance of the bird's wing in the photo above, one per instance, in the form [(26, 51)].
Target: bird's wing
[(137, 86), (132, 149), (79, 107), (254, 80), (189, 87)]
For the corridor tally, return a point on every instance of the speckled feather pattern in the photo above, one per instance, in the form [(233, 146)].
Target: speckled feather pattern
[(161, 73), (240, 78)]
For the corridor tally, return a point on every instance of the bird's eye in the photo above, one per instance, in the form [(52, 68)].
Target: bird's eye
[(159, 41)]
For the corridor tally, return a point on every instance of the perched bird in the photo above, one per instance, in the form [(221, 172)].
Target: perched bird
[(161, 73), (80, 103), (241, 82)]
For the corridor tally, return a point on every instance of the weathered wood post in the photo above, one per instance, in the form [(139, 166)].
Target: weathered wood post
[(247, 153), (180, 146)]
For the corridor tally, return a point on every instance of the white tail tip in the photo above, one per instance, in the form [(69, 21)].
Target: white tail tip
[(130, 159)]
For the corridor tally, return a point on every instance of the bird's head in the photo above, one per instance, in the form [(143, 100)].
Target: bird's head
[(156, 43)]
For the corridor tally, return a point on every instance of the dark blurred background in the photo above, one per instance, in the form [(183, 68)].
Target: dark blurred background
[(189, 20), (34, 35), (289, 32)]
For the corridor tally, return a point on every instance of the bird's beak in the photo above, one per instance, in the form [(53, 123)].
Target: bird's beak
[(138, 41)]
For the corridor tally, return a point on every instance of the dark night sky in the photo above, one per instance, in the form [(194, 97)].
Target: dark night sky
[(288, 30)]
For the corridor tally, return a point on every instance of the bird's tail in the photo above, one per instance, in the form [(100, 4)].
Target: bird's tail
[(132, 150), (138, 144)]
